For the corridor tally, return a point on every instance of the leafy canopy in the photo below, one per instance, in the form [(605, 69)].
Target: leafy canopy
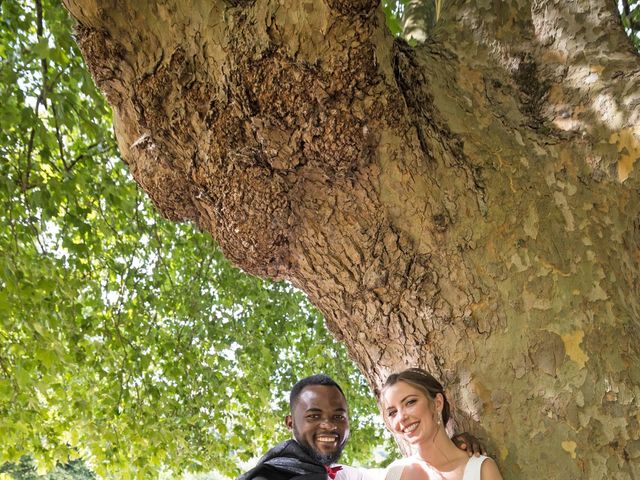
[(26, 470), (630, 14), (124, 338)]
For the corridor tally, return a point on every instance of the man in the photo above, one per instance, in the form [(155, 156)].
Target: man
[(319, 424)]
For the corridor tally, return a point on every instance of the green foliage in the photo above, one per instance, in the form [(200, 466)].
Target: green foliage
[(26, 470), (630, 14), (126, 339), (393, 13)]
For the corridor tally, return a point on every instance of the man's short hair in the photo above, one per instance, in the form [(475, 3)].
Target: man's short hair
[(318, 379)]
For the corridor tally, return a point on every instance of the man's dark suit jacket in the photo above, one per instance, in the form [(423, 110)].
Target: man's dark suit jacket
[(286, 461)]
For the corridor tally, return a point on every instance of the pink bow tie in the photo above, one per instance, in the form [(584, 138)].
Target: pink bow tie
[(332, 471)]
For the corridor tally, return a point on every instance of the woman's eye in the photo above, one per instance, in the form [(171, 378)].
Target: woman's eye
[(411, 402)]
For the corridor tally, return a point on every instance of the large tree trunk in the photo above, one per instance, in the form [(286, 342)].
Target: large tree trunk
[(469, 205)]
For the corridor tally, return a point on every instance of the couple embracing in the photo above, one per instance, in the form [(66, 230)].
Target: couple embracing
[(415, 410)]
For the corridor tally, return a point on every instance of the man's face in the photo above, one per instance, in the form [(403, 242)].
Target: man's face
[(319, 422)]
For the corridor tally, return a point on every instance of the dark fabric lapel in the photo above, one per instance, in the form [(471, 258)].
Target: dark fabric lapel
[(290, 459)]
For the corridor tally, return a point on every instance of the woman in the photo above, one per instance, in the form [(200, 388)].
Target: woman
[(416, 411)]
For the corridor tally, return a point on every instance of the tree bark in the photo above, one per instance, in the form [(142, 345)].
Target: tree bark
[(469, 205)]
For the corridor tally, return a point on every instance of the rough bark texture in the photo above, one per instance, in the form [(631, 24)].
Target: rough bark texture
[(469, 205)]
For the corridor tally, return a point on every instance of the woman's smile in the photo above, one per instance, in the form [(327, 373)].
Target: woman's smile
[(410, 428)]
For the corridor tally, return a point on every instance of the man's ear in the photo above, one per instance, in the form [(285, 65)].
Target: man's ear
[(289, 422)]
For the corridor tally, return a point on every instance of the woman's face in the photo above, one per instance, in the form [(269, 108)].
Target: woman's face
[(410, 413)]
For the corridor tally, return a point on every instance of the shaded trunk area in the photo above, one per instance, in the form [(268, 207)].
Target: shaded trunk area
[(469, 205)]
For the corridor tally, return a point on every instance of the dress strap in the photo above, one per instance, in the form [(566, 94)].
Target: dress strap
[(472, 470)]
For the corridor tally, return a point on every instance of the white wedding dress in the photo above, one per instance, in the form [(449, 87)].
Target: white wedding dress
[(471, 470)]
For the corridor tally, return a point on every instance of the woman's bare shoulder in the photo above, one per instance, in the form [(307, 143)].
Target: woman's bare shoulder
[(489, 470)]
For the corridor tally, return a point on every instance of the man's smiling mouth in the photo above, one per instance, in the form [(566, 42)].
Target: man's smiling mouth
[(327, 439)]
